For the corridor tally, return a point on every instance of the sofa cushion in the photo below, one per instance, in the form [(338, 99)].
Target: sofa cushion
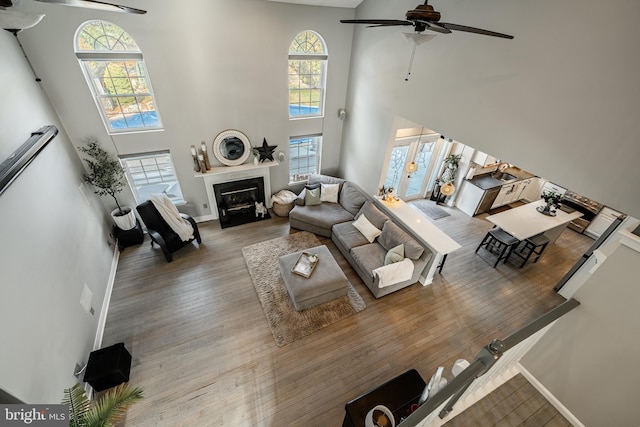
[(367, 229), (312, 197), (374, 215), (369, 257), (352, 198), (392, 236), (348, 236), (395, 254), (329, 192), (324, 179), (323, 215)]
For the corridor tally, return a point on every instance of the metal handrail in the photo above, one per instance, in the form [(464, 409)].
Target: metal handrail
[(482, 363)]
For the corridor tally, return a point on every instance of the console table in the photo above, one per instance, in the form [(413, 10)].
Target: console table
[(430, 235), (397, 394)]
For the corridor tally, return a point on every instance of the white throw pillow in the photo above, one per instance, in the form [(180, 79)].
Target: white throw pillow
[(367, 229), (329, 193)]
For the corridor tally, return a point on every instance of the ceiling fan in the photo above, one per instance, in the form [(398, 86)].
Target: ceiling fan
[(424, 17), (90, 4)]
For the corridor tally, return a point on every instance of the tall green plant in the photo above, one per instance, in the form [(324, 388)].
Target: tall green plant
[(105, 173), (106, 411)]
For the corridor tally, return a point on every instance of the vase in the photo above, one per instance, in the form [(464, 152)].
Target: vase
[(125, 220), (255, 161)]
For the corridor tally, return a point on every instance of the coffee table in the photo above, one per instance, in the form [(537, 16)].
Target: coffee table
[(327, 281)]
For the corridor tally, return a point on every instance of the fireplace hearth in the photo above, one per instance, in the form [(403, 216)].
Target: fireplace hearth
[(236, 201)]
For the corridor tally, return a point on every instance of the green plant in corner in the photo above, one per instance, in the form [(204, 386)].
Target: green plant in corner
[(104, 412), (453, 160), (105, 173)]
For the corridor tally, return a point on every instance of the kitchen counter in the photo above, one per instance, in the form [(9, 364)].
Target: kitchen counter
[(487, 181)]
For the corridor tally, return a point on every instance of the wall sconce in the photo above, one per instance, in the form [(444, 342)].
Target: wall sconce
[(411, 168), (281, 157), (342, 114)]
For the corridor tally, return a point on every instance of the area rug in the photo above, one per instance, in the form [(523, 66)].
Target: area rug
[(429, 208), (287, 324)]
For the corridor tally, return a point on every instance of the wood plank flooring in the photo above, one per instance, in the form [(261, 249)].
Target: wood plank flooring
[(514, 403), (204, 355)]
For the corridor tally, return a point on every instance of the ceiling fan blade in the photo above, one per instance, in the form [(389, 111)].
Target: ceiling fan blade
[(457, 27), (376, 22), (434, 27), (95, 4)]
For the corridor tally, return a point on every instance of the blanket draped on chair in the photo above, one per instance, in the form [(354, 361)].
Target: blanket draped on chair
[(170, 214)]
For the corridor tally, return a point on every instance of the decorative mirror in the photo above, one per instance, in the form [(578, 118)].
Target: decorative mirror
[(231, 147)]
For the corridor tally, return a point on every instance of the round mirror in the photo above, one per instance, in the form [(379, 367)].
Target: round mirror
[(231, 147)]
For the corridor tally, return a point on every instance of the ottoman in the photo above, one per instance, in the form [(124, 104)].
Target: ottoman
[(327, 281)]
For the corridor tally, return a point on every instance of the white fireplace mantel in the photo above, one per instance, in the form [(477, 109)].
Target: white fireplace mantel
[(220, 174)]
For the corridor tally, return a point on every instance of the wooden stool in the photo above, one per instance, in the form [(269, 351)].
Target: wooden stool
[(533, 246), (504, 241)]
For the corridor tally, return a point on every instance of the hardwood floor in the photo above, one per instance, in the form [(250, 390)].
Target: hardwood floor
[(514, 403), (204, 355)]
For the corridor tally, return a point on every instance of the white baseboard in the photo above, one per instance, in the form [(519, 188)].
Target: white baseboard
[(550, 397), (205, 218), (102, 321)]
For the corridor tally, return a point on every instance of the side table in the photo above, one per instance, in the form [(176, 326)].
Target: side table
[(127, 238), (397, 394)]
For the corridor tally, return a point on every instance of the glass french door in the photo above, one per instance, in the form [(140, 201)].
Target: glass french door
[(420, 149)]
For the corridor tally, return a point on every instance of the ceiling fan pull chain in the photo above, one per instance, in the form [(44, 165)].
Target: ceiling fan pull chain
[(406, 79)]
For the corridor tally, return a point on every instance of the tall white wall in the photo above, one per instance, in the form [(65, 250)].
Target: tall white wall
[(587, 359), (560, 99), (214, 65), (53, 242)]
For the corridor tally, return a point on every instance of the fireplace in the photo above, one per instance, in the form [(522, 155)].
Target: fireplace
[(236, 201)]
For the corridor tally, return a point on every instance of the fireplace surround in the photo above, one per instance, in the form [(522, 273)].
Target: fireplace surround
[(226, 174), (236, 201)]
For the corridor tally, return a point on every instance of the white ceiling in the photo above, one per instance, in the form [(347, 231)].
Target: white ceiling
[(329, 3)]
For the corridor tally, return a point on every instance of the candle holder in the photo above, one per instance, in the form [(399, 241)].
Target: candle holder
[(205, 155), (201, 164), (194, 155)]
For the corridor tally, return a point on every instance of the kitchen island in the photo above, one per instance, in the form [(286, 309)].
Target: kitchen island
[(525, 221)]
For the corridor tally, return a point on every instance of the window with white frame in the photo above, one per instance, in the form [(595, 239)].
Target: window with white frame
[(304, 157), (152, 173), (307, 75), (117, 76)]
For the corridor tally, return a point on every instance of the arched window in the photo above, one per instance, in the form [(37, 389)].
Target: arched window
[(307, 75), (117, 76)]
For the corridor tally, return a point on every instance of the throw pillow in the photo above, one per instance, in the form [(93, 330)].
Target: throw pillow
[(395, 254), (392, 236), (367, 229), (312, 197), (329, 193)]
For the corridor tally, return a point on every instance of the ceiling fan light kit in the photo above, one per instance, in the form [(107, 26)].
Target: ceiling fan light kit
[(422, 18)]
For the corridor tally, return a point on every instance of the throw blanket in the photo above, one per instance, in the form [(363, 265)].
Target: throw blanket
[(397, 272), (172, 217)]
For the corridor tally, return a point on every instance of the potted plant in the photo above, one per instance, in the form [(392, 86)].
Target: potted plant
[(108, 177), (552, 201), (453, 160), (106, 411)]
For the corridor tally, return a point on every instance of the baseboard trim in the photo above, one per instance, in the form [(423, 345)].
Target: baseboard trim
[(205, 218), (550, 397), (102, 321)]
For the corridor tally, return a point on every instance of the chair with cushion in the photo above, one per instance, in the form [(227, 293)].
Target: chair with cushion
[(161, 233), (501, 241)]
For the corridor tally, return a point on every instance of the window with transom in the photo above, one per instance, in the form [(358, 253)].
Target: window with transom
[(307, 75), (117, 76)]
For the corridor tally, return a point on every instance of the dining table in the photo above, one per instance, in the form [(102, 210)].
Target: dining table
[(527, 221)]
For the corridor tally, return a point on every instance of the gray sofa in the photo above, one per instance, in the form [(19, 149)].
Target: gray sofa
[(336, 220)]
